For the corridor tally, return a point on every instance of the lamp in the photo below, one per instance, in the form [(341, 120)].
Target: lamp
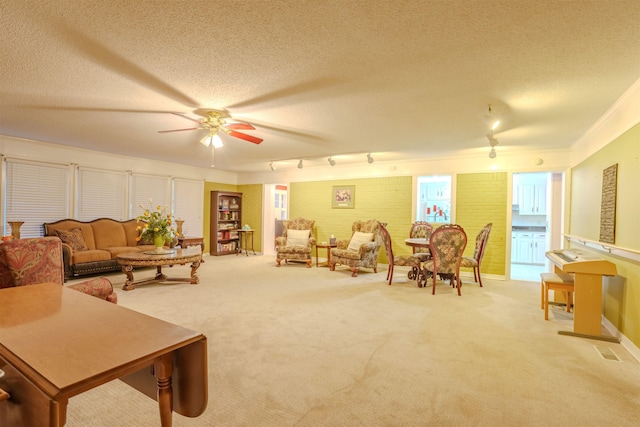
[(331, 161), (272, 166), (369, 158), (212, 139), (300, 165)]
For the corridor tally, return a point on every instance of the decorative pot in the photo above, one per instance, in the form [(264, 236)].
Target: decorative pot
[(179, 223), (15, 228), (158, 241)]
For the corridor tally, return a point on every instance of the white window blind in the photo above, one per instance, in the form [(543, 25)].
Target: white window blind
[(188, 196), (101, 194), (36, 193), (145, 187)]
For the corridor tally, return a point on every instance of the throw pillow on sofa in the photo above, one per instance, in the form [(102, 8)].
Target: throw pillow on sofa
[(73, 238), (358, 239), (298, 237)]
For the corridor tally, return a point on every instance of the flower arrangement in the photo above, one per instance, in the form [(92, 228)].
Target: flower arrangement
[(156, 223)]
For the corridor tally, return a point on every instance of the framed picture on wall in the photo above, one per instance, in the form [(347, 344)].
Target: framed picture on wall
[(343, 197)]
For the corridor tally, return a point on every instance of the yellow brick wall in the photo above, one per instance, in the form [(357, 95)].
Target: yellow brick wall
[(385, 199), (252, 211), (482, 198)]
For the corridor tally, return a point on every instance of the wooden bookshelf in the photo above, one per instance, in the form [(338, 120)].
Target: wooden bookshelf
[(226, 218)]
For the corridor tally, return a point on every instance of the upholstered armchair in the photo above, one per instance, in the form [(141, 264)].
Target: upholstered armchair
[(296, 241), (362, 250), (39, 260)]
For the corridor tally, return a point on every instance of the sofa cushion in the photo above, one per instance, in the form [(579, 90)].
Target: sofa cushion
[(298, 237), (108, 233), (73, 238), (358, 239), (91, 256)]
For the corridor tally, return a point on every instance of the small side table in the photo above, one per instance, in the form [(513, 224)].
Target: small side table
[(244, 237), (184, 242), (326, 246)]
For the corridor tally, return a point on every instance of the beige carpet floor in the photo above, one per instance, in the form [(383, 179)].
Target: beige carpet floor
[(292, 346)]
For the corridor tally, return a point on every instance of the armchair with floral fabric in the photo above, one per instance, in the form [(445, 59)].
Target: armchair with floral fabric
[(296, 241), (362, 250), (39, 260)]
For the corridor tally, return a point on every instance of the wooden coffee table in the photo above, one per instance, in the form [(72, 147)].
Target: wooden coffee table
[(57, 342), (130, 260)]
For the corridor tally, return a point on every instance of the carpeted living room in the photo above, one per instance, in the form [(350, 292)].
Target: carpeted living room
[(297, 346)]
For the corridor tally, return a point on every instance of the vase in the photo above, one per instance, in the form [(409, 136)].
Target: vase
[(158, 241), (179, 223), (15, 228)]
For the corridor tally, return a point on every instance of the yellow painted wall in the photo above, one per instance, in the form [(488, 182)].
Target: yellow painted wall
[(252, 211), (481, 198), (621, 305), (385, 199)]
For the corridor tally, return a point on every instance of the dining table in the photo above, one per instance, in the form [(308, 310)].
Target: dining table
[(422, 243)]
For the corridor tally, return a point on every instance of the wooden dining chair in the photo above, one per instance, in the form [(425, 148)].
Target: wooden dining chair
[(446, 245), (399, 260)]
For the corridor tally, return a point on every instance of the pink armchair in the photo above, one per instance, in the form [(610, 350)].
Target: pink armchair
[(39, 260)]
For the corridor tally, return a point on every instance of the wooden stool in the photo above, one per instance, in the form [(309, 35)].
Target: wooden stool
[(556, 282)]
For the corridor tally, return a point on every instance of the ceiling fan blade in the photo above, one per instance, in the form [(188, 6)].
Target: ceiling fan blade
[(245, 137), (186, 117), (176, 130), (240, 126)]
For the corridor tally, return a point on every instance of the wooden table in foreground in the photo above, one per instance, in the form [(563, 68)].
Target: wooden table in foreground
[(130, 260), (56, 343)]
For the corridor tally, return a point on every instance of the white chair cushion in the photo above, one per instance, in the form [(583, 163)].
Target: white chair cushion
[(298, 237), (358, 239)]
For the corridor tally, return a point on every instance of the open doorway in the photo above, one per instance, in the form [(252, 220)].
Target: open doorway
[(536, 222), (276, 209)]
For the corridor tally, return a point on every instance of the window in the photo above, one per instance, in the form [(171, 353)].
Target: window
[(188, 205), (101, 194), (434, 199), (145, 187), (36, 193)]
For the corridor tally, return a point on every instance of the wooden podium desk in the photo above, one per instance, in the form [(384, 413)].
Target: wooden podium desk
[(56, 343)]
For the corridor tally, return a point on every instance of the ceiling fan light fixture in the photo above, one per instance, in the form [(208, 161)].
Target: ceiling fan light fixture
[(369, 158), (331, 161), (212, 140), (300, 165)]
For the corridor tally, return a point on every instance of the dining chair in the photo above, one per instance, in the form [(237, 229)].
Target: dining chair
[(446, 245), (400, 260), (475, 261)]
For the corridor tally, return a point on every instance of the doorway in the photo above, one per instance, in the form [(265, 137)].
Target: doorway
[(535, 222), (276, 209)]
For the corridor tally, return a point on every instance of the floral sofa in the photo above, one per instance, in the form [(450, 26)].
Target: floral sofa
[(357, 253), (39, 260), (92, 247), (296, 241)]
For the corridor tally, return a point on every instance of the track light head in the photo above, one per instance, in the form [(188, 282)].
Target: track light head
[(272, 166), (492, 140), (492, 153), (331, 161), (369, 158), (300, 165)]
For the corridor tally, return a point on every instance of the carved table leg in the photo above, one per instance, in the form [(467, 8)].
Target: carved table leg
[(194, 278), (163, 371), (159, 275), (128, 283)]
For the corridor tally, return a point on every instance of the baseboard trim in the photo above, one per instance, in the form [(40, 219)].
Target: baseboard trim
[(626, 342)]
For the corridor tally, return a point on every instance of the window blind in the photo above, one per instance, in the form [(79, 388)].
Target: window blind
[(188, 205), (36, 193), (145, 187), (101, 194)]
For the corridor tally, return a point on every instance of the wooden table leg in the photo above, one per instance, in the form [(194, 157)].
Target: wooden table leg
[(194, 278), (163, 371), (128, 283)]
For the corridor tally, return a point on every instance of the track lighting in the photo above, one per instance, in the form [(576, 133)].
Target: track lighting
[(272, 166), (300, 165), (331, 161), (492, 153), (492, 140), (369, 158)]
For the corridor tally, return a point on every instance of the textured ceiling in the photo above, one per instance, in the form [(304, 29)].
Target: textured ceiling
[(400, 79)]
